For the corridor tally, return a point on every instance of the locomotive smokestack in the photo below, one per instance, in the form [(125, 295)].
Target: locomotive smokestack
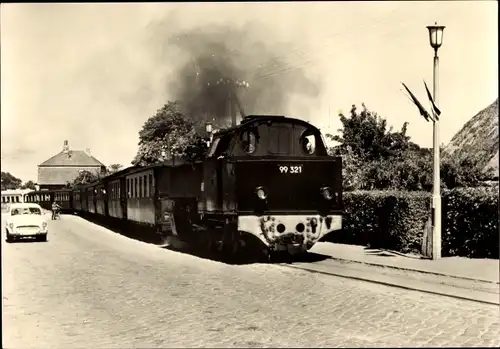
[(237, 103)]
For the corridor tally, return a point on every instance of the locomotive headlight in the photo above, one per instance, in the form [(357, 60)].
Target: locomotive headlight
[(261, 193), (327, 193)]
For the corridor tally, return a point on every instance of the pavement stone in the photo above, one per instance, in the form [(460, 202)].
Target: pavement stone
[(90, 287), (460, 267)]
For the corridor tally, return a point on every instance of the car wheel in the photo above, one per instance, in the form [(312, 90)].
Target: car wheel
[(9, 238), (42, 238)]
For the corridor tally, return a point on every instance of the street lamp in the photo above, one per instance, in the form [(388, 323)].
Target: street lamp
[(436, 40), (209, 129)]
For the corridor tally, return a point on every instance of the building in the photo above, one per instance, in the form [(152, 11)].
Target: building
[(65, 166)]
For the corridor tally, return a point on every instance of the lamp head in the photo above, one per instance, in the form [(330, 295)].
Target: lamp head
[(208, 127), (436, 35)]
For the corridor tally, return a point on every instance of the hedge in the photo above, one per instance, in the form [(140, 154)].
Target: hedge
[(471, 222), (395, 220)]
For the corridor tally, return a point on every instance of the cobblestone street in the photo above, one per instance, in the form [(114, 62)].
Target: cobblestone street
[(89, 287)]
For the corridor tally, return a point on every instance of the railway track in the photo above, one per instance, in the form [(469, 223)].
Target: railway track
[(472, 290)]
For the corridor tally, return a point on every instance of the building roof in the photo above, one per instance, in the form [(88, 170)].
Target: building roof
[(48, 175), (73, 158)]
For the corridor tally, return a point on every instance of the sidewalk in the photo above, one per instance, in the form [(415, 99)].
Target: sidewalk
[(486, 270)]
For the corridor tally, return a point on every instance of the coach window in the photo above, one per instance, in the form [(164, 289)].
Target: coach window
[(140, 187), (143, 189), (151, 190)]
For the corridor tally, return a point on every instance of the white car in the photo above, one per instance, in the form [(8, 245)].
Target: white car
[(26, 220)]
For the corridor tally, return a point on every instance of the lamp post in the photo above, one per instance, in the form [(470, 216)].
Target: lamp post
[(436, 39), (209, 129)]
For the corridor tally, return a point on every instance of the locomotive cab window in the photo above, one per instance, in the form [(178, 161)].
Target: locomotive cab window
[(220, 146), (248, 141), (308, 144)]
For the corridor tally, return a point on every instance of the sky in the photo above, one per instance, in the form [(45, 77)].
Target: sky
[(92, 74)]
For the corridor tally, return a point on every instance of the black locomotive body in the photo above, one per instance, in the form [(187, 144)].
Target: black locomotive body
[(266, 182), (271, 178)]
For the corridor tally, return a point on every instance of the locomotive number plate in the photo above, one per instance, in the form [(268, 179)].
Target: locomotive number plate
[(284, 169)]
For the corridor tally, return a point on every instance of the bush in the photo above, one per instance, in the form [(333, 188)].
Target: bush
[(470, 222), (395, 220)]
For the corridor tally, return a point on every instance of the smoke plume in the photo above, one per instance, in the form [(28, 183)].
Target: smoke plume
[(214, 63)]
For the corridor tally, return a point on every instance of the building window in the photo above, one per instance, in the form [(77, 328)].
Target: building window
[(135, 187)]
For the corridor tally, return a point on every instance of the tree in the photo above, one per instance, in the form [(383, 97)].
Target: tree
[(464, 171), (9, 181), (169, 133), (368, 138), (28, 185), (85, 177), (376, 158), (113, 168)]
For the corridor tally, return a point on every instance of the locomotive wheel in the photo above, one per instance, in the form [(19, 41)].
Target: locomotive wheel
[(279, 257), (232, 244), (214, 243)]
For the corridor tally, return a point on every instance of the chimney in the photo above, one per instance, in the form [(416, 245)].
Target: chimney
[(88, 151), (65, 147)]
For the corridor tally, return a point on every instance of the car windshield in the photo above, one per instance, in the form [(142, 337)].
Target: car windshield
[(26, 211)]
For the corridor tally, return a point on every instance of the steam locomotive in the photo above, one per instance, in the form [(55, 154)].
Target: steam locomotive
[(266, 183)]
